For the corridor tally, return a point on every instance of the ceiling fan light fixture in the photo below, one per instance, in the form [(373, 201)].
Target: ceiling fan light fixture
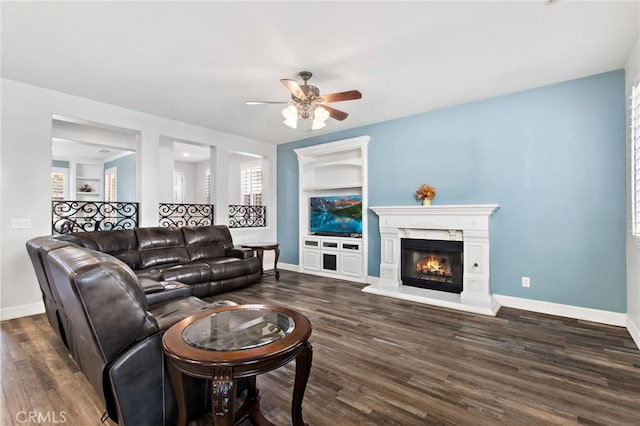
[(307, 110), (320, 116), (290, 114)]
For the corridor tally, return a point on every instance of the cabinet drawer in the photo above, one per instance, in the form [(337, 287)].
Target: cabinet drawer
[(329, 244), (311, 244), (351, 246)]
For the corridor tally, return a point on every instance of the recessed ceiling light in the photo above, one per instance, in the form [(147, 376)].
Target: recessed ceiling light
[(186, 154)]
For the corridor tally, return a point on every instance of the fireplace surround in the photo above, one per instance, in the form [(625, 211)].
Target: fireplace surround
[(467, 224)]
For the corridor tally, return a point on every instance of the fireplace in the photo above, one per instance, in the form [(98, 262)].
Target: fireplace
[(465, 226), (432, 264)]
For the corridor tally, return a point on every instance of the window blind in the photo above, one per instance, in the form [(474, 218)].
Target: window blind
[(251, 185), (207, 187), (110, 194), (58, 185)]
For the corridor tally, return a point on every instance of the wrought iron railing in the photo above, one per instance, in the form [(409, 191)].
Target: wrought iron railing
[(177, 215), (247, 216), (84, 216)]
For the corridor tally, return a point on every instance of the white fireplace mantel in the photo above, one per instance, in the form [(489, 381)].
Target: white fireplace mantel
[(466, 223)]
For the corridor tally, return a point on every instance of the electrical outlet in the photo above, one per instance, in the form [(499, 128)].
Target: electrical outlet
[(526, 282)]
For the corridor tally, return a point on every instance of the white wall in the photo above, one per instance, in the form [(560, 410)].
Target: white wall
[(632, 73), (200, 174), (188, 171), (25, 160), (92, 133)]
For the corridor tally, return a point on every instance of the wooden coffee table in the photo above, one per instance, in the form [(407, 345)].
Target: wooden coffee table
[(233, 342), (259, 248)]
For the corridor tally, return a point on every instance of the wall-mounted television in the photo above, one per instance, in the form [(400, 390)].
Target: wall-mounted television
[(337, 215)]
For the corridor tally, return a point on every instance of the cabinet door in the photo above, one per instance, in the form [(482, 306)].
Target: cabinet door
[(311, 260), (351, 264)]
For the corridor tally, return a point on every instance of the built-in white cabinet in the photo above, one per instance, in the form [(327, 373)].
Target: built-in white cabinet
[(333, 169), (333, 256)]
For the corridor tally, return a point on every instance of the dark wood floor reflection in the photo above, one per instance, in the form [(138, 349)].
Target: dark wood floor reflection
[(383, 361)]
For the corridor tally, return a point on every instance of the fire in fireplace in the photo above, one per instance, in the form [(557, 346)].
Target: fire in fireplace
[(432, 264)]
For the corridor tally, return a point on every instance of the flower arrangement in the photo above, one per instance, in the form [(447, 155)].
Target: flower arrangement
[(425, 192)]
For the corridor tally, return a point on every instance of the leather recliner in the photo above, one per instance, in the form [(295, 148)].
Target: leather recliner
[(115, 337)]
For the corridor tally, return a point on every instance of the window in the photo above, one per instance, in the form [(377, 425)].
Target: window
[(59, 183), (110, 187), (635, 160), (251, 184), (207, 187)]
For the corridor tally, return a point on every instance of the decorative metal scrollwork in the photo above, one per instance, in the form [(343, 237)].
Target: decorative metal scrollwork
[(85, 216), (177, 215), (247, 216)]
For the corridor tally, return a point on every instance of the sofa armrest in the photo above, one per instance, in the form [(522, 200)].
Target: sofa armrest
[(158, 292), (240, 253), (150, 286)]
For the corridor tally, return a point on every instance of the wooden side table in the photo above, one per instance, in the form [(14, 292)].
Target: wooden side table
[(259, 248), (233, 342)]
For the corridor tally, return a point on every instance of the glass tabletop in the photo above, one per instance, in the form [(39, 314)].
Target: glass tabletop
[(238, 329)]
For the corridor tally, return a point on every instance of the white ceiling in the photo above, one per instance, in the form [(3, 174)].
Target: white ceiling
[(199, 61), (190, 153), (64, 149)]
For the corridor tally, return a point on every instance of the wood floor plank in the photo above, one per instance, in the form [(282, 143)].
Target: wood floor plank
[(383, 361)]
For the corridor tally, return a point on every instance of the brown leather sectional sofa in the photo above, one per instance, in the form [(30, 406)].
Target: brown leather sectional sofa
[(202, 257), (107, 296)]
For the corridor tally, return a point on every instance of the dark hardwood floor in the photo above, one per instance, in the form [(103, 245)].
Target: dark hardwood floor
[(384, 361)]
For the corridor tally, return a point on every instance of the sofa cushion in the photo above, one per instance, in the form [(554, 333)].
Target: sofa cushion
[(190, 273), (168, 313), (161, 246), (121, 244), (229, 267), (206, 242)]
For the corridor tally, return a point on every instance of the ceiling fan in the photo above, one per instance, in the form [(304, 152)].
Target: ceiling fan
[(307, 104)]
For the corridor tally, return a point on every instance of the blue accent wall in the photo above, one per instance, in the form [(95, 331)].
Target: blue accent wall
[(552, 157), (126, 178)]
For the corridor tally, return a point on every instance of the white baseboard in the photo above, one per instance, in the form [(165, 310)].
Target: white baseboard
[(588, 314), (634, 332), (288, 267), (21, 311)]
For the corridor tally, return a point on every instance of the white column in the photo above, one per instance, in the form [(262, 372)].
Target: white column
[(390, 258)]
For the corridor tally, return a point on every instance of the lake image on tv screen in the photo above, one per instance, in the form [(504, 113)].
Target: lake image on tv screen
[(336, 214)]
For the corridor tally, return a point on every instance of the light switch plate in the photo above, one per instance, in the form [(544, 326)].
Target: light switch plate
[(21, 223)]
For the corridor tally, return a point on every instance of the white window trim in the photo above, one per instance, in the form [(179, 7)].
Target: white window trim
[(635, 159)]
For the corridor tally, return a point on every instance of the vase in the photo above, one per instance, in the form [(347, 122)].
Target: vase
[(426, 202)]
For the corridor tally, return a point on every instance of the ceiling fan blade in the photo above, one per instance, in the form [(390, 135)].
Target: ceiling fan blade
[(335, 113), (264, 102), (294, 88), (342, 96)]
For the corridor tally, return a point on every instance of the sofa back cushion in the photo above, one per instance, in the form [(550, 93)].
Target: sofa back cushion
[(122, 244), (207, 242), (159, 246), (105, 305)]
